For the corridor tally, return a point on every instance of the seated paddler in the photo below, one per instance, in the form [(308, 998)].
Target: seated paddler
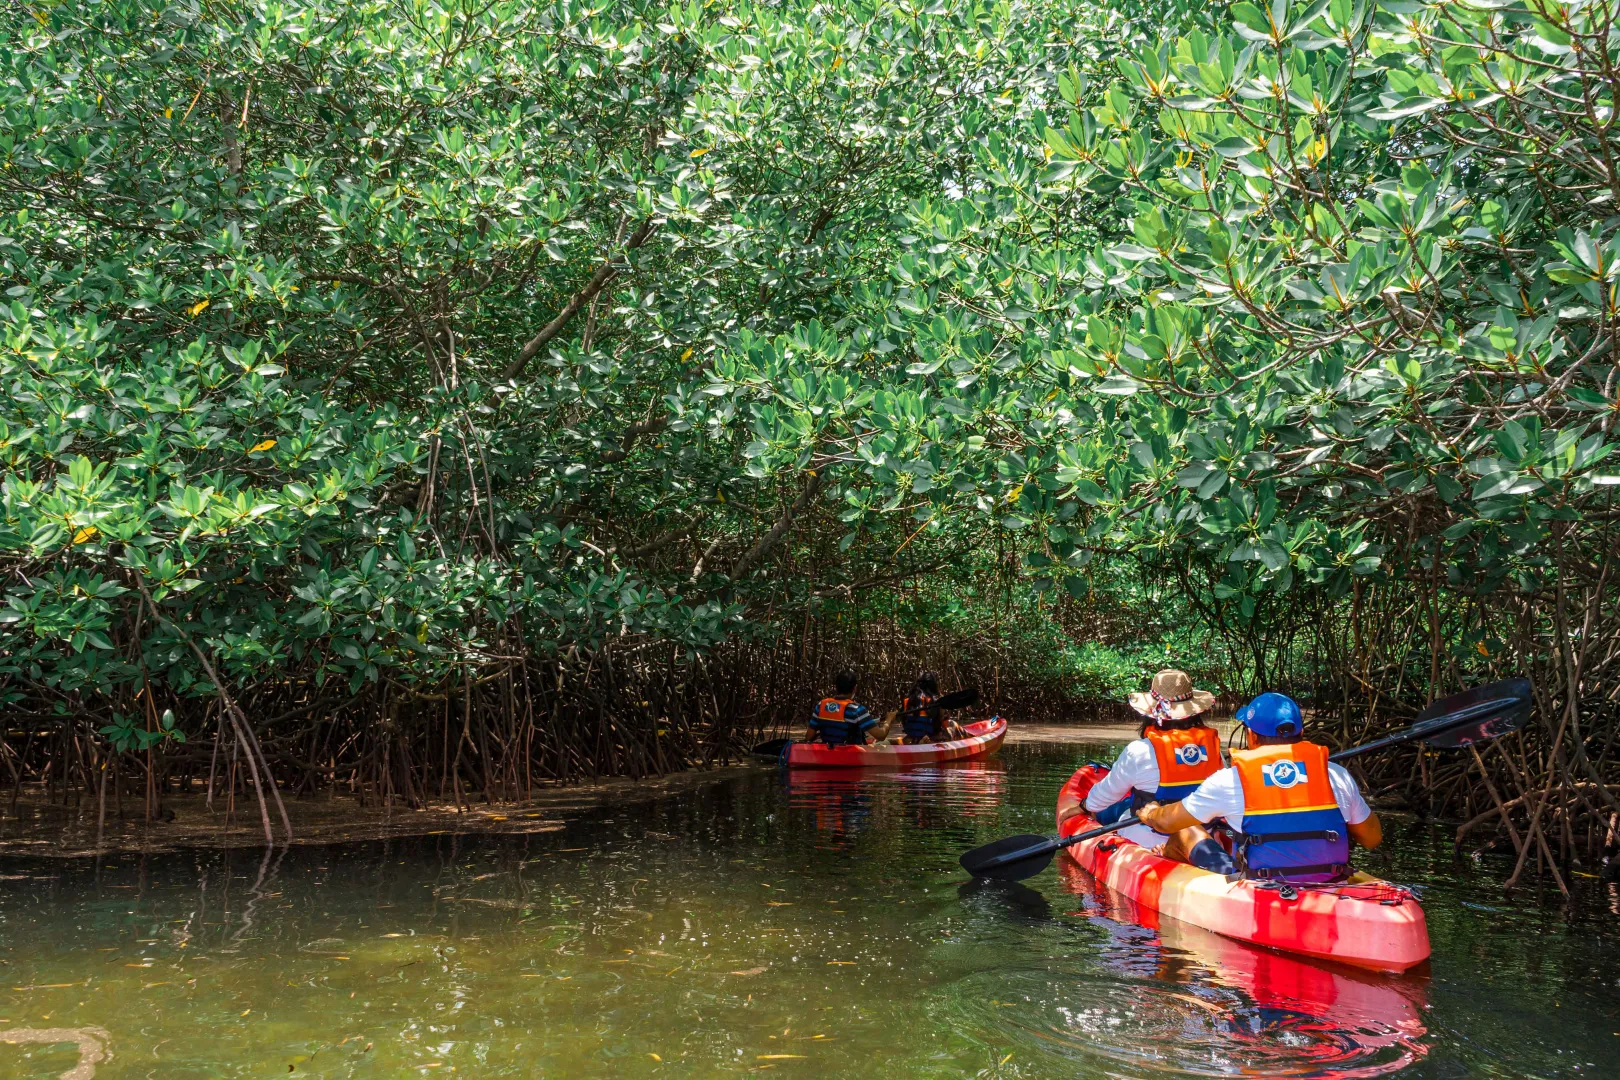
[(840, 720), (1294, 812), (1178, 750), (922, 721)]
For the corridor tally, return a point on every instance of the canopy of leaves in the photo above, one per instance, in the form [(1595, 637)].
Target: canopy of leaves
[(1284, 296), (369, 341)]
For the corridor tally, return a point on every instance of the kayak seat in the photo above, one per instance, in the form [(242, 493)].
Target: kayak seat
[(1311, 873)]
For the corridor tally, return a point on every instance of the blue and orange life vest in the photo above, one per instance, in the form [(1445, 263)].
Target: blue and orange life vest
[(1187, 757), (919, 722), (1292, 827), (841, 722)]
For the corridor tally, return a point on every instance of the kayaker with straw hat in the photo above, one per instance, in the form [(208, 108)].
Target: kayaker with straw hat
[(1176, 752), (1295, 811)]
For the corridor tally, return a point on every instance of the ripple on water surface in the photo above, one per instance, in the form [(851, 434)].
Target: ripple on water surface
[(1132, 994)]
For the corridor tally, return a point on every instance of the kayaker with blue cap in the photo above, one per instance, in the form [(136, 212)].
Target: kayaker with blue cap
[(1294, 812), (1176, 752)]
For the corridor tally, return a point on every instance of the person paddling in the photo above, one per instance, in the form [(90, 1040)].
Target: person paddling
[(1176, 752), (920, 719), (839, 720), (1295, 812)]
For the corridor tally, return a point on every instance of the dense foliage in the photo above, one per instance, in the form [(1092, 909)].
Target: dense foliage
[(556, 359), (1352, 355), (357, 357)]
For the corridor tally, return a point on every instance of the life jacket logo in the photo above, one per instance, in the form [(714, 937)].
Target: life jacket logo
[(1191, 754), (1283, 774)]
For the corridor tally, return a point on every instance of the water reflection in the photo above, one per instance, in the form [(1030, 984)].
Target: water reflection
[(1117, 989), (1214, 1005), (842, 802), (815, 924)]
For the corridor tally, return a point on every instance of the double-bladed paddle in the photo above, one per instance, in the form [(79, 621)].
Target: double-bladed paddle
[(1472, 716), (956, 699)]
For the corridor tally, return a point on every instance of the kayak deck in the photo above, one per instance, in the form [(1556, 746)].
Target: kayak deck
[(1365, 922), (978, 740)]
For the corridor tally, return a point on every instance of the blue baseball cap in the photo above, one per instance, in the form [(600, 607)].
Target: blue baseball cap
[(1272, 714)]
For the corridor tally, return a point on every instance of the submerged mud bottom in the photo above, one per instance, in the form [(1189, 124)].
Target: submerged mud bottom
[(806, 924)]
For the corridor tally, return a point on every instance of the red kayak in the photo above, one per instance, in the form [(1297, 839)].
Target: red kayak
[(977, 740), (1334, 1020), (1363, 922)]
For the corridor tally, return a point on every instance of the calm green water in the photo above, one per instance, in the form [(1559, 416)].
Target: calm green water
[(813, 926)]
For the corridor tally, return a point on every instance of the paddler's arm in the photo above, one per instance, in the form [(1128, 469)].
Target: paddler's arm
[(881, 732), (1369, 833), (1166, 818), (1365, 828), (1173, 817)]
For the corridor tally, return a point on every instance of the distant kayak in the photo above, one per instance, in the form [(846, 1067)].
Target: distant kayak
[(1365, 922), (977, 740)]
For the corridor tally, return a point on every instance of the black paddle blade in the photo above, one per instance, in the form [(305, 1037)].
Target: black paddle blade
[(958, 699), (1012, 859), (1472, 716), (772, 749)]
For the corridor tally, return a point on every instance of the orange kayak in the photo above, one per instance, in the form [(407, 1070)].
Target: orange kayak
[(1364, 922), (977, 740)]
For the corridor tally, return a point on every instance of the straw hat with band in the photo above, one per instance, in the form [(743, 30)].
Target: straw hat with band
[(1172, 699)]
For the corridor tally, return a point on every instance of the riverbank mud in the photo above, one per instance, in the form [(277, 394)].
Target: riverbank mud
[(42, 828)]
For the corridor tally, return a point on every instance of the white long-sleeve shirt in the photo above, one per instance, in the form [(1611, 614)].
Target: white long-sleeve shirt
[(1221, 796), (1136, 769)]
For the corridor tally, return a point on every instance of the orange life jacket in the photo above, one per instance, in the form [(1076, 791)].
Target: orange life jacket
[(1186, 757), (917, 720), (841, 722), (833, 708), (1292, 826)]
